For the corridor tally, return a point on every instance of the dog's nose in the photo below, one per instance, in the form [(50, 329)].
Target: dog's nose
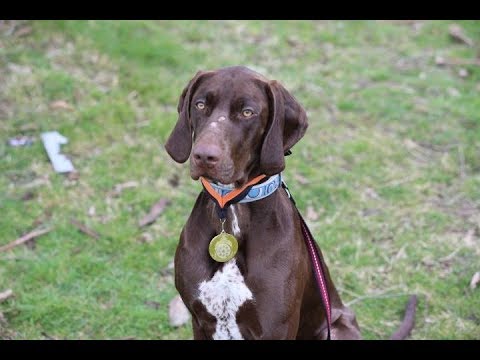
[(206, 154)]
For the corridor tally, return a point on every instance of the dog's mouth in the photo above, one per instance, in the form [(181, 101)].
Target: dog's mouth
[(226, 182), (225, 178)]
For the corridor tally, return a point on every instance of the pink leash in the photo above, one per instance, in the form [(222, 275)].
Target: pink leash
[(318, 269)]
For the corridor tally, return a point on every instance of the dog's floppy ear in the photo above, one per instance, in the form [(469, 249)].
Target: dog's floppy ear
[(288, 123), (179, 143)]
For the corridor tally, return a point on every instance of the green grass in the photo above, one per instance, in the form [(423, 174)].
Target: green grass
[(392, 159)]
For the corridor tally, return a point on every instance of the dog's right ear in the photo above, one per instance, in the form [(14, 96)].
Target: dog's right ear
[(179, 143)]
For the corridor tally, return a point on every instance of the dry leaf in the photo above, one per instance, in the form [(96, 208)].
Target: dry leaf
[(469, 238), (456, 33), (152, 304), (28, 127), (302, 180), (28, 195), (145, 238), (453, 92), (410, 144), (84, 229), (49, 337), (370, 212), (475, 280), (154, 213), (132, 95), (312, 215), (60, 105), (73, 175), (463, 73), (178, 312), (120, 187), (19, 69), (23, 31), (91, 211), (370, 193), (439, 60), (6, 294), (36, 183)]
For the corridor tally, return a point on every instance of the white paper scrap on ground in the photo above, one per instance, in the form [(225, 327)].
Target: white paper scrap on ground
[(52, 141)]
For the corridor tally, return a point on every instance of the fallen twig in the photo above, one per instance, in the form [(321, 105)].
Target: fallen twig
[(379, 296), (23, 31), (83, 228), (154, 213), (408, 321), (25, 238), (5, 295), (437, 148), (475, 280), (457, 34), (463, 62), (60, 105), (450, 256), (120, 187), (49, 337)]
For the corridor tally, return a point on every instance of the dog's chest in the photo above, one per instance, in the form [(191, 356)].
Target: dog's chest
[(222, 296)]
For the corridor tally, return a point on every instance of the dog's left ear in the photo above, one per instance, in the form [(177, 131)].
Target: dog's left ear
[(288, 123), (179, 143)]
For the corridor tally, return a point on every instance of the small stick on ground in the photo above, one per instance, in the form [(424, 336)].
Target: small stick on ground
[(85, 229), (24, 239), (378, 296), (48, 337), (408, 321), (155, 211), (5, 295), (462, 62)]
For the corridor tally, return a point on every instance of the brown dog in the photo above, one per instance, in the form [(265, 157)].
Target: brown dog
[(234, 124)]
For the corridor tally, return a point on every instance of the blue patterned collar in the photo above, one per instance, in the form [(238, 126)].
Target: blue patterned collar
[(257, 192)]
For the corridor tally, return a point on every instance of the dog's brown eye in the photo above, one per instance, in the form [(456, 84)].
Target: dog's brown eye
[(200, 105), (247, 113)]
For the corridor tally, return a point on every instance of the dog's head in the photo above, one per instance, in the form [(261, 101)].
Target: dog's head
[(235, 124)]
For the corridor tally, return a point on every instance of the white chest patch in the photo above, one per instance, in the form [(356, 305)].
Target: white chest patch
[(223, 295)]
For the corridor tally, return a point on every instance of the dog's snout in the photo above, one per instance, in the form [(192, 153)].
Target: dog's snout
[(206, 154)]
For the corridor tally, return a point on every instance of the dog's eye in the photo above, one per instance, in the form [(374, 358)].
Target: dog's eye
[(247, 113), (200, 105)]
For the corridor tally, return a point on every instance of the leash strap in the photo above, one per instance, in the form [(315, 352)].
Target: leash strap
[(317, 262)]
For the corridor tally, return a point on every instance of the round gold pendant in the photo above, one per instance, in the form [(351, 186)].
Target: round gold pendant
[(223, 247)]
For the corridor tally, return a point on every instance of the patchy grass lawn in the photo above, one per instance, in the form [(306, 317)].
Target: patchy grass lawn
[(388, 173)]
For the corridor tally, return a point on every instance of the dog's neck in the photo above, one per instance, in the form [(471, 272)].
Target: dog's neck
[(257, 192), (243, 219)]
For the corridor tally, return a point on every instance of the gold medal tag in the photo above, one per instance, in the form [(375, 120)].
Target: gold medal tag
[(223, 247)]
